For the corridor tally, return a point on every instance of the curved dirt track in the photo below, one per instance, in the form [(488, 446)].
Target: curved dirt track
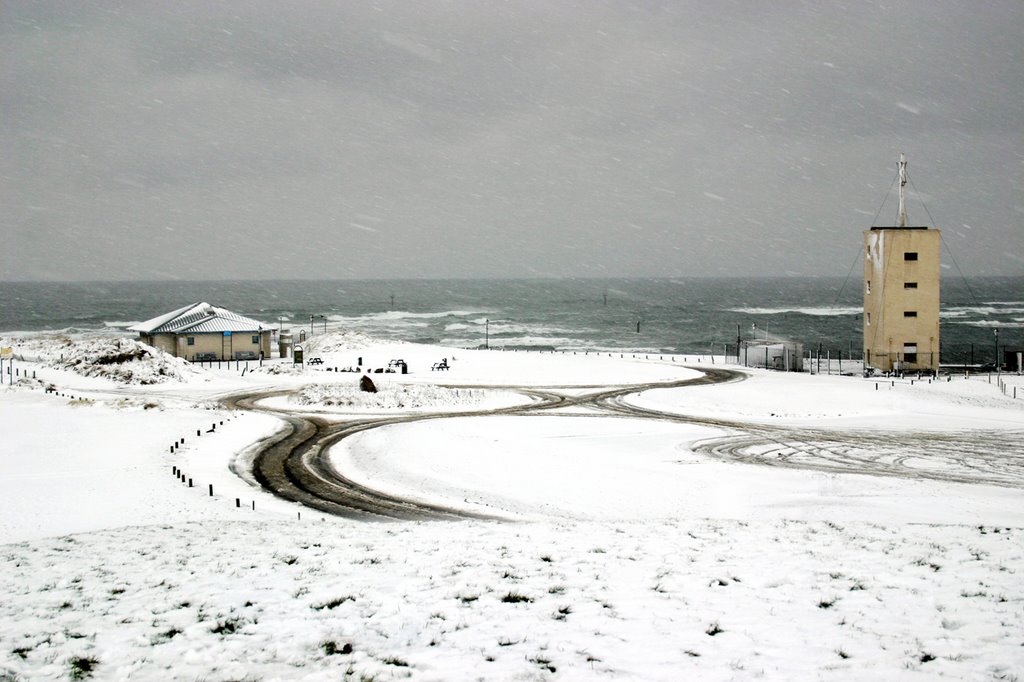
[(293, 464)]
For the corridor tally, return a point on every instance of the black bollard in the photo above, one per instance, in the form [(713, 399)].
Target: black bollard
[(238, 503), (211, 490), (190, 483)]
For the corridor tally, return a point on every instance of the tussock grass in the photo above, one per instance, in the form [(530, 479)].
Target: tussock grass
[(228, 626), (332, 603), (331, 648), (516, 598), (82, 667)]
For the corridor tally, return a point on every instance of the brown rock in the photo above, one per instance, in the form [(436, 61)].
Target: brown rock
[(366, 385)]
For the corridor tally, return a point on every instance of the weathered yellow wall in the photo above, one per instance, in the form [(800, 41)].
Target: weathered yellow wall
[(223, 347), (886, 329)]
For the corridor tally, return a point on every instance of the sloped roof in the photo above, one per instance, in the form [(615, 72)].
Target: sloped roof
[(198, 318)]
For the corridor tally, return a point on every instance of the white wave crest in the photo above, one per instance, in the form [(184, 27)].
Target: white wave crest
[(818, 312)]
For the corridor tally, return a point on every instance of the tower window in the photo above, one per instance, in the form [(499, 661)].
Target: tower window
[(910, 255), (869, 286), (869, 319), (909, 313), (910, 285)]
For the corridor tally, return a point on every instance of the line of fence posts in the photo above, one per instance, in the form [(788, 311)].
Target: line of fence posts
[(179, 473)]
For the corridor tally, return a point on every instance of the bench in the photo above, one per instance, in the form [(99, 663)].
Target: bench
[(315, 361), (439, 366)]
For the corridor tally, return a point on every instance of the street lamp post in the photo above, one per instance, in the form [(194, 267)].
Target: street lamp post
[(996, 333)]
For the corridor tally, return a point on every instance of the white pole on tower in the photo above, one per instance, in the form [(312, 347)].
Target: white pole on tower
[(902, 220)]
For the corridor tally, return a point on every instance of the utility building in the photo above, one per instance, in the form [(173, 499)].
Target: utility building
[(901, 293), (201, 332)]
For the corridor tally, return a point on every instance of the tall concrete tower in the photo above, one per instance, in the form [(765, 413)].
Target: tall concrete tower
[(901, 293)]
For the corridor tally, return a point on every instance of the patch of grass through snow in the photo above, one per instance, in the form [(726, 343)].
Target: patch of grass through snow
[(82, 667), (333, 603), (516, 598), (331, 648)]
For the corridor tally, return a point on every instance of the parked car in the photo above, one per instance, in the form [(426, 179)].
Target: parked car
[(204, 357)]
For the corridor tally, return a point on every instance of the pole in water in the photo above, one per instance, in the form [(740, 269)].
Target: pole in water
[(638, 326)]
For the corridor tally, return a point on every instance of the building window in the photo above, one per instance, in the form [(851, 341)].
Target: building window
[(256, 339), (869, 319), (869, 286), (191, 341), (910, 285), (910, 255), (909, 313)]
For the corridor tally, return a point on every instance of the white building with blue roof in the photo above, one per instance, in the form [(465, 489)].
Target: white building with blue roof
[(201, 332)]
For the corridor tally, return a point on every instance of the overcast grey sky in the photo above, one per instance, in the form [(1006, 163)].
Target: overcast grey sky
[(388, 139)]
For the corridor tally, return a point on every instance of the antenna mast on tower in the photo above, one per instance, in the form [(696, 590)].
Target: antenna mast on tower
[(901, 221)]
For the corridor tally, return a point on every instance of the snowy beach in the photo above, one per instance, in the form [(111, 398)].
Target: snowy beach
[(625, 547)]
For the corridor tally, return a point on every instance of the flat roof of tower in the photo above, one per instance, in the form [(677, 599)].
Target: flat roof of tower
[(901, 228)]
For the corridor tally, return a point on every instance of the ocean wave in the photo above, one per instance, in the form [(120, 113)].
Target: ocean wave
[(118, 324), (398, 315), (514, 342), (991, 324), (817, 312), (981, 310)]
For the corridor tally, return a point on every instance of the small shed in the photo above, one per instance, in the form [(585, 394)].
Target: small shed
[(786, 356), (201, 332)]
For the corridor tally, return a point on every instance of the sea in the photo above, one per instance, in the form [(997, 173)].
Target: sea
[(668, 315)]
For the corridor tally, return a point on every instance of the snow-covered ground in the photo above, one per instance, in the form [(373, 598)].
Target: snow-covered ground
[(630, 552)]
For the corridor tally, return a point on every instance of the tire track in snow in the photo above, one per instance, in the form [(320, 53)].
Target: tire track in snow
[(294, 465)]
